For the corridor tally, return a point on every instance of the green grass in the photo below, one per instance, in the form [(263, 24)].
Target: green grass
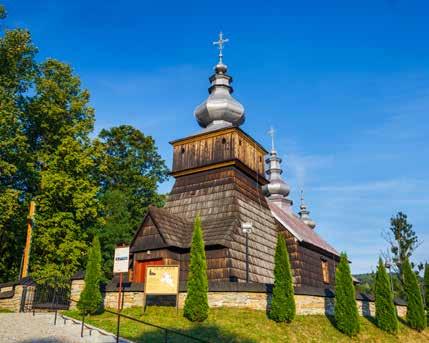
[(242, 325), (5, 310)]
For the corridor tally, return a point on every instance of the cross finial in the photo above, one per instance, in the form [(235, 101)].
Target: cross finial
[(302, 197), (271, 132), (220, 44)]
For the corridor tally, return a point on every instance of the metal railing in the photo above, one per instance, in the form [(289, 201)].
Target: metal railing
[(166, 332)]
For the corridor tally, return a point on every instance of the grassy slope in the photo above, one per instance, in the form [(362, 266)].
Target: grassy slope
[(5, 310), (240, 325)]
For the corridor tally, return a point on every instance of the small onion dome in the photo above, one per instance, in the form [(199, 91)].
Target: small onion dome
[(304, 214), (220, 108), (277, 185)]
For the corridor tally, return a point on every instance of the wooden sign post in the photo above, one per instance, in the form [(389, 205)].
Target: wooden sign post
[(30, 222), (161, 280)]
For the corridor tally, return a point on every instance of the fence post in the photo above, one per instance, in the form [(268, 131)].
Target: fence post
[(55, 320), (117, 328), (83, 323)]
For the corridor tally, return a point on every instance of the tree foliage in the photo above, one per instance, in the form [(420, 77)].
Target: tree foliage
[(346, 312), (385, 310), (90, 301), (283, 301), (196, 303), (130, 169), (17, 70), (402, 240), (416, 317), (81, 187)]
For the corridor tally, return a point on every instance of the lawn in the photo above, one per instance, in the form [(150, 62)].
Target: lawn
[(241, 325), (5, 310)]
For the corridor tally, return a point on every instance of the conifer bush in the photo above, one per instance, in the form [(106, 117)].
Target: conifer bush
[(385, 310), (426, 290), (416, 317), (91, 301), (196, 304), (283, 301), (346, 312)]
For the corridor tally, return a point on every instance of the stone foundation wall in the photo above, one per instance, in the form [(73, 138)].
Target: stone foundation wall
[(130, 299), (305, 304), (12, 303), (75, 291)]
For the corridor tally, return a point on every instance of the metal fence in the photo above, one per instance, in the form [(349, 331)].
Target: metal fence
[(54, 295)]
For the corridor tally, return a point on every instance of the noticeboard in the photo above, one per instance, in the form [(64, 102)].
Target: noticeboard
[(162, 280), (121, 261)]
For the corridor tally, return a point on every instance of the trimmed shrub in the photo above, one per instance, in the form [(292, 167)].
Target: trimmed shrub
[(283, 301), (426, 289), (196, 304), (346, 312), (91, 301), (385, 310), (415, 310)]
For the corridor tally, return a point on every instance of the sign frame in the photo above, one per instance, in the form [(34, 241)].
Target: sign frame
[(145, 294), (124, 251)]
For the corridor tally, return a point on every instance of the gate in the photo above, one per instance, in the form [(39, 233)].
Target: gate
[(46, 295)]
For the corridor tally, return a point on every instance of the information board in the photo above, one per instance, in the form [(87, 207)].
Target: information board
[(162, 280), (121, 261)]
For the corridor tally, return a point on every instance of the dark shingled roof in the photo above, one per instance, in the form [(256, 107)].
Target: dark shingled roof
[(299, 229), (177, 232)]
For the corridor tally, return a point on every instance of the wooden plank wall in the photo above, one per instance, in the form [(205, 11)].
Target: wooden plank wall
[(216, 148), (218, 262)]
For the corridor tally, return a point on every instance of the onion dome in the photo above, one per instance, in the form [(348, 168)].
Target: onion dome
[(220, 109), (304, 213), (277, 189)]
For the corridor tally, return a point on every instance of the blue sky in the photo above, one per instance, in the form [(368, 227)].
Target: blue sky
[(344, 83)]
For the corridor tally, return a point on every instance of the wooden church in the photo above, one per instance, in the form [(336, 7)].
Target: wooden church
[(221, 174)]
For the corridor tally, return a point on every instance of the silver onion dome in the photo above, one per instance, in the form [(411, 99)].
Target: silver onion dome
[(277, 185), (304, 214), (220, 109), (277, 189)]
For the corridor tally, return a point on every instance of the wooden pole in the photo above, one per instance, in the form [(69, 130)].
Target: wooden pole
[(26, 259)]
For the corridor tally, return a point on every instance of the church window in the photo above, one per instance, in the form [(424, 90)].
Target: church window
[(325, 271), (183, 151), (223, 140)]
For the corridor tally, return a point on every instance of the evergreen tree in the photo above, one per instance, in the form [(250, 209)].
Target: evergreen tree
[(403, 242), (385, 310), (283, 302), (196, 304), (346, 312), (90, 301), (416, 317), (426, 290)]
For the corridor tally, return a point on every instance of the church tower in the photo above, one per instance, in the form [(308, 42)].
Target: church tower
[(219, 174)]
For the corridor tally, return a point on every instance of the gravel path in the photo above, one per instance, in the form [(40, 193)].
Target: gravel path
[(24, 328)]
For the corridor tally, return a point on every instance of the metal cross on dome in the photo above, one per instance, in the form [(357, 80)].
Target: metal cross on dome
[(220, 44), (271, 132)]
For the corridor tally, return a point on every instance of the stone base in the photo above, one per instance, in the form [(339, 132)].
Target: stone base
[(305, 304)]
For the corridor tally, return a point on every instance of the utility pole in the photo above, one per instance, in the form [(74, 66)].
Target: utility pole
[(30, 224)]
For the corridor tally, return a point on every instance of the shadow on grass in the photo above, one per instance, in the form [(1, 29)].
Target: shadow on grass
[(206, 333)]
